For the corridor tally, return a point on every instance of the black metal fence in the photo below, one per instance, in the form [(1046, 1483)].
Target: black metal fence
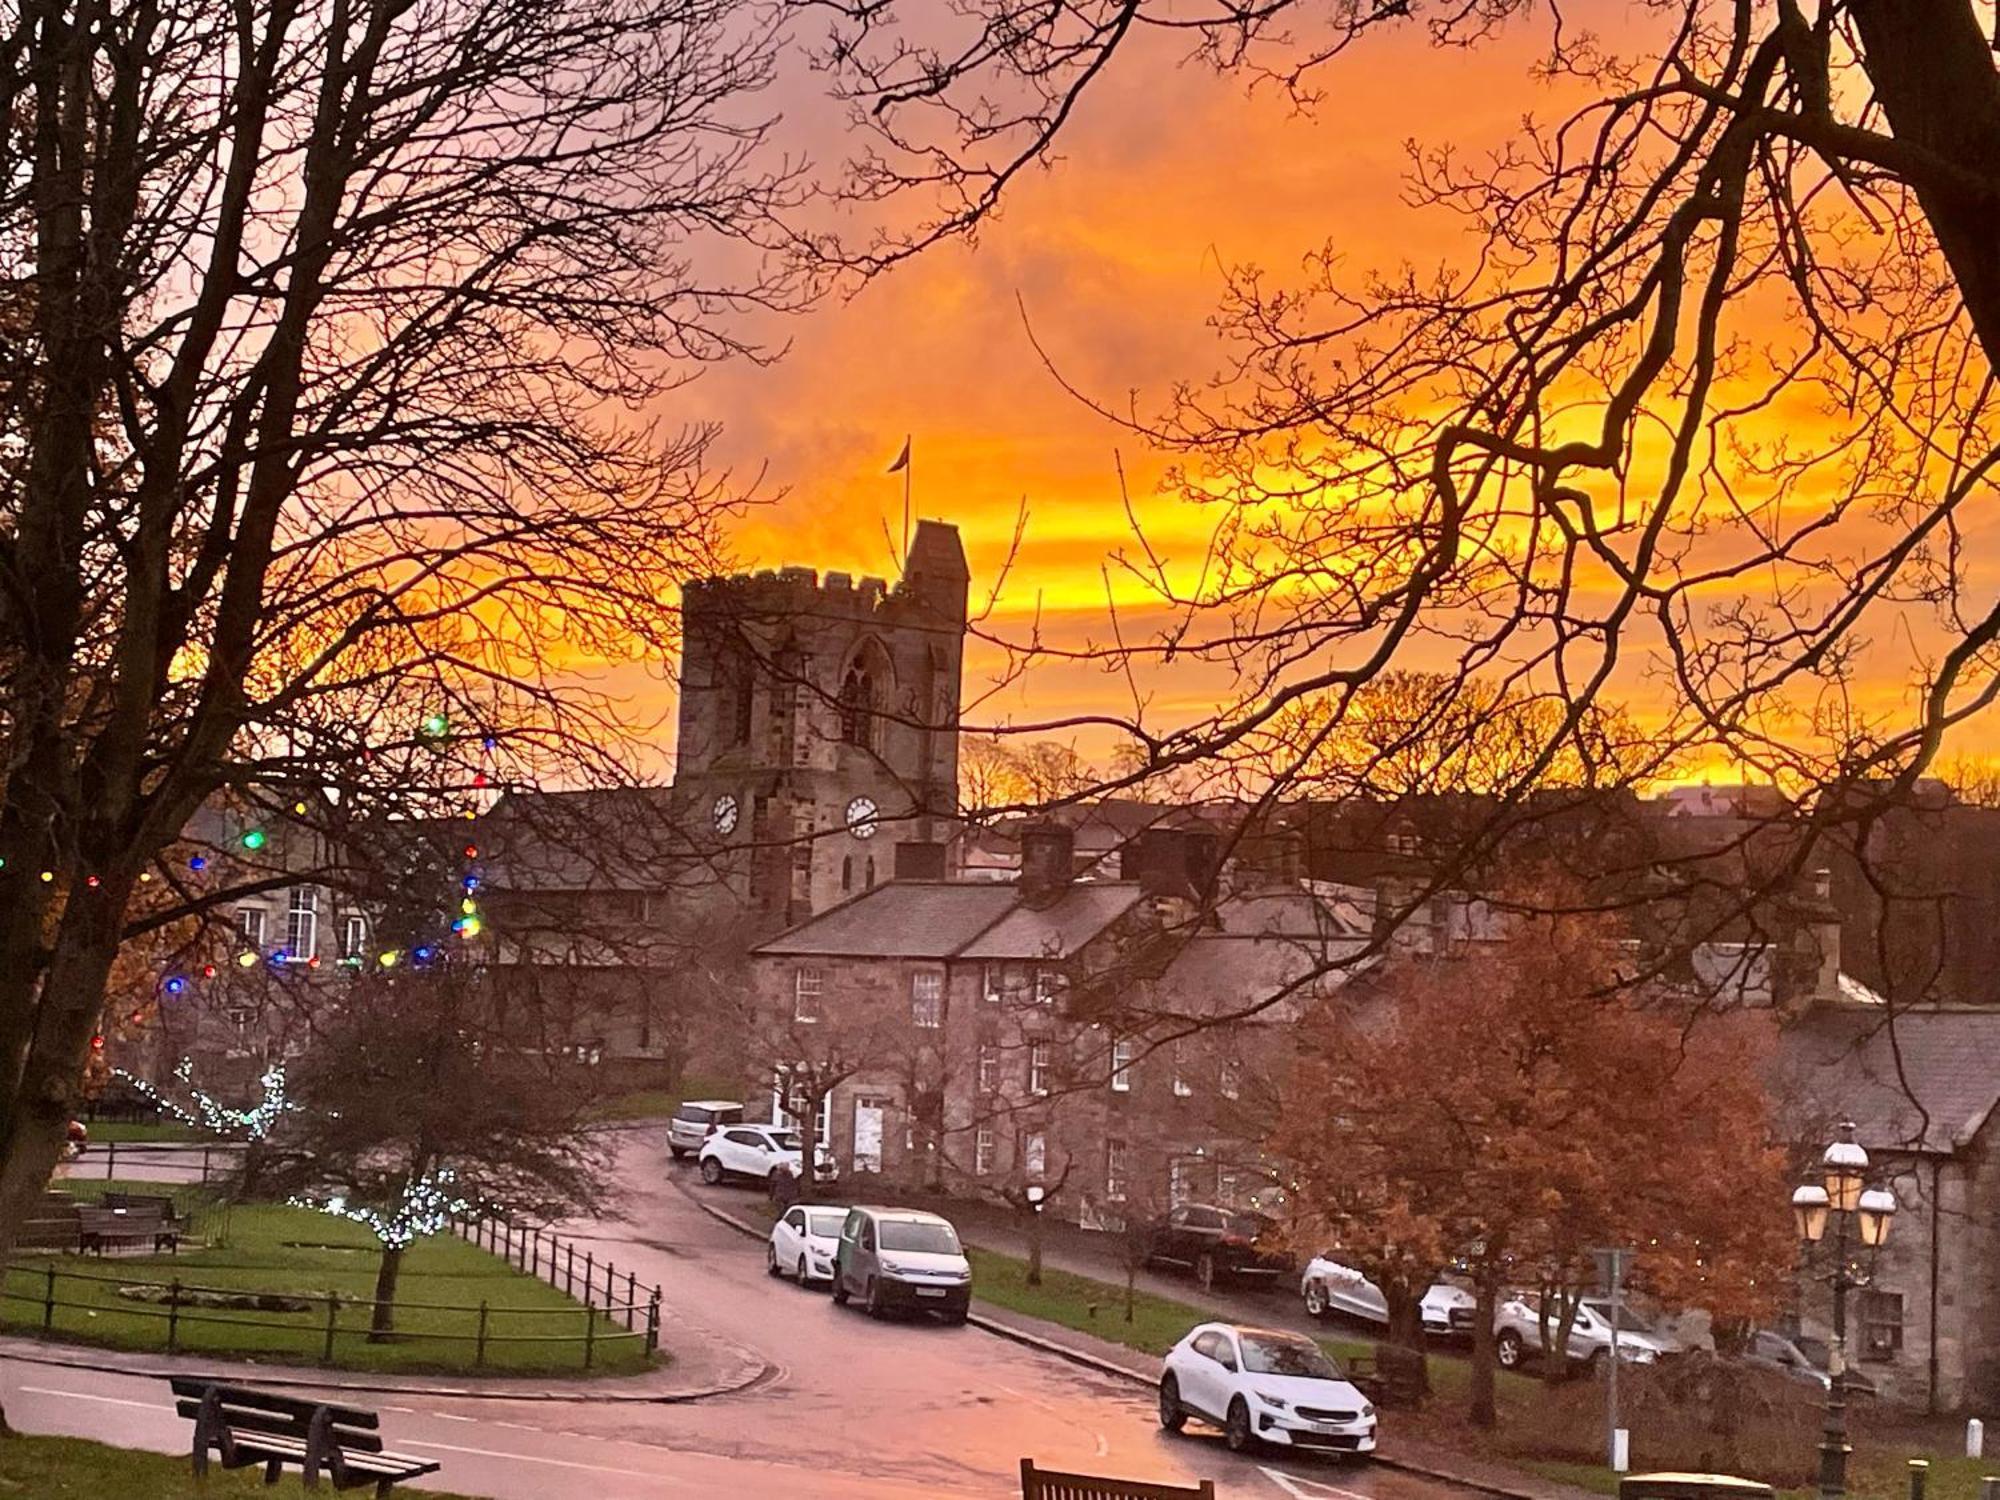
[(44, 1294), (187, 1163), (544, 1254)]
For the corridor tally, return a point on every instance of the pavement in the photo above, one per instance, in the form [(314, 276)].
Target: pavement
[(843, 1407)]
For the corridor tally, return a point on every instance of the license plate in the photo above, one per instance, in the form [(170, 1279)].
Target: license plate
[(930, 1291)]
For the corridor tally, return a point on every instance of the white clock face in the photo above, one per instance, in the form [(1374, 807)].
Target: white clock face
[(724, 813), (861, 818)]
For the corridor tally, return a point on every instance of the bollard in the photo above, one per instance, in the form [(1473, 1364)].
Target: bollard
[(1975, 1438), (653, 1323), (1920, 1473)]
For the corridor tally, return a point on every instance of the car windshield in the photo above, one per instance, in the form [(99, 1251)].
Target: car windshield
[(1628, 1321), (919, 1235), (786, 1140), (1274, 1354), (825, 1222)]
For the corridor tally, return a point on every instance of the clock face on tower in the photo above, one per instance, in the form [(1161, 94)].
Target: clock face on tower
[(861, 818), (724, 813)]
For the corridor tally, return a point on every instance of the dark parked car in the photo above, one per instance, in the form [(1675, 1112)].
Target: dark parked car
[(1219, 1243)]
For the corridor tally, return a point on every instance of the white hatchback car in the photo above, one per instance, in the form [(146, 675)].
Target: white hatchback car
[(760, 1151), (1264, 1385), (1330, 1287), (804, 1242)]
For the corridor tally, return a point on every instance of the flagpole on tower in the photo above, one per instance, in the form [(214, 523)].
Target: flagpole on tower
[(903, 463)]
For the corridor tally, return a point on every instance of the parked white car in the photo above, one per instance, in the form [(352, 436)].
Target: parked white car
[(804, 1242), (1260, 1385), (760, 1151), (1330, 1287), (1517, 1330)]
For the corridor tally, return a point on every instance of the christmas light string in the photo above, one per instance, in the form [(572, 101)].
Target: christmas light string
[(428, 1206)]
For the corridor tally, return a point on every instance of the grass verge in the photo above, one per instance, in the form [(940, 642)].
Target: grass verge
[(124, 1131), (532, 1328), (55, 1468), (659, 1104)]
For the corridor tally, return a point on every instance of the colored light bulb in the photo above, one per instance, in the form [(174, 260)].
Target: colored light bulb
[(255, 839), (245, 959), (435, 724)]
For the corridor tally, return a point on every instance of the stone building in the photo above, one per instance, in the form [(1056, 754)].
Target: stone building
[(1046, 1031), (1921, 1085)]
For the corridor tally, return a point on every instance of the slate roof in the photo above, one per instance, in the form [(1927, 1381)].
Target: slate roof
[(1922, 1079), (623, 838), (903, 919), (1057, 930)]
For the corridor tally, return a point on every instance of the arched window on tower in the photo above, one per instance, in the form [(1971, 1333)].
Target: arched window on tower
[(857, 707), (739, 687), (847, 872)]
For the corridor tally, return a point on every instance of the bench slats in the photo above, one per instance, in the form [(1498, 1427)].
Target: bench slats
[(245, 1426), (241, 1419)]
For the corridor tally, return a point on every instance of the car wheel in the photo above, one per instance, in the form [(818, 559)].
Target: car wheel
[(872, 1298), (1509, 1350), (839, 1289), (771, 1261), (1236, 1427), (1315, 1300), (804, 1279), (1204, 1273), (677, 1153), (1173, 1416), (711, 1170)]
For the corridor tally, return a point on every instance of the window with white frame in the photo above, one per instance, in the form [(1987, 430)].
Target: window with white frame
[(805, 994), (353, 936), (982, 1151), (1114, 1171), (989, 1069), (927, 999), (1182, 1086), (992, 978), (1047, 982), (250, 925), (1231, 1081), (1180, 1185), (1035, 1154), (302, 924), (1121, 1066), (1038, 1068)]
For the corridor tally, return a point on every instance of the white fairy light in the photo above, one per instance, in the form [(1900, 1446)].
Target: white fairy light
[(428, 1206), (255, 1123)]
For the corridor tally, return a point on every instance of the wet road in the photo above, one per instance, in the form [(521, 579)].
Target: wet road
[(851, 1408)]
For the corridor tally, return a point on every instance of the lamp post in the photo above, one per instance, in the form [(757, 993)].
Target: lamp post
[(1843, 1200)]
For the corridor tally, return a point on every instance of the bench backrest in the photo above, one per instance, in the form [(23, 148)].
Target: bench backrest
[(132, 1221), (157, 1203), (243, 1409), (1050, 1484)]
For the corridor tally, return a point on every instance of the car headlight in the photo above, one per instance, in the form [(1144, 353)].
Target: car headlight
[(892, 1267), (1276, 1403), (1368, 1408)]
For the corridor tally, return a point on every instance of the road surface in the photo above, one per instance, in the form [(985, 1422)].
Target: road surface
[(852, 1408)]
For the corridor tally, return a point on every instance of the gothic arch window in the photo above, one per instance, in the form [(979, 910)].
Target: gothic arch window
[(847, 872), (871, 872), (857, 707), (739, 681)]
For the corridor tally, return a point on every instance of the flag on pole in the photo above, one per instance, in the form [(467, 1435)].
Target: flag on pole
[(902, 459)]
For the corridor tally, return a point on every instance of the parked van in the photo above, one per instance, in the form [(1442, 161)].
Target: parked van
[(698, 1119), (902, 1258)]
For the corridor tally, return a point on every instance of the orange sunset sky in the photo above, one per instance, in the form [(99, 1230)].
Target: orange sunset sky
[(1169, 172)]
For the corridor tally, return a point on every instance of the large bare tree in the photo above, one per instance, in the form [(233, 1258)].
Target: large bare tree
[(1707, 395), (339, 335)]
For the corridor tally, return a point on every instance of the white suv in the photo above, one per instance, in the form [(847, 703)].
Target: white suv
[(760, 1151), (1517, 1330), (1260, 1385)]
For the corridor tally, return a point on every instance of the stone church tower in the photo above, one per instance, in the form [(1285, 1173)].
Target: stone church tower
[(818, 749)]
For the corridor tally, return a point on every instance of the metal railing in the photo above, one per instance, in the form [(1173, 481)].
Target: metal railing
[(38, 1291), (188, 1163), (544, 1254)]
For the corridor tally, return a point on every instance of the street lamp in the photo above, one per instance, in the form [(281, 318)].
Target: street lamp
[(1843, 1201)]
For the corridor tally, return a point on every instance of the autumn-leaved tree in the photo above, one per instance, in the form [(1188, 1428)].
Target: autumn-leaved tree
[(329, 332), (1509, 1106)]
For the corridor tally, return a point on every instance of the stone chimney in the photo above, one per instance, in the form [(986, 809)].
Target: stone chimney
[(1048, 857), (1810, 974), (1176, 862)]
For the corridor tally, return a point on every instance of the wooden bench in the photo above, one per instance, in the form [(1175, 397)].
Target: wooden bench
[(1392, 1376), (100, 1228), (158, 1203), (1050, 1484), (244, 1427)]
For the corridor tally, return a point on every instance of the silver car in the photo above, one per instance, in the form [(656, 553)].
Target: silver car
[(697, 1120)]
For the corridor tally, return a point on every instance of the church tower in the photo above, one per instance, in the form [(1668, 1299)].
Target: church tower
[(818, 746)]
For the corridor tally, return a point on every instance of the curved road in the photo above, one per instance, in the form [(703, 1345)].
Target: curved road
[(852, 1408)]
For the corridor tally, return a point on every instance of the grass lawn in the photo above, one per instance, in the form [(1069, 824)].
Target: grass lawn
[(659, 1104), (52, 1468), (533, 1328)]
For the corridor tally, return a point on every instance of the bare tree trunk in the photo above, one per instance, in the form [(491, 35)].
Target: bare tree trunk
[(1034, 1245), (1484, 1296), (808, 1146), (382, 1323), (1406, 1317)]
